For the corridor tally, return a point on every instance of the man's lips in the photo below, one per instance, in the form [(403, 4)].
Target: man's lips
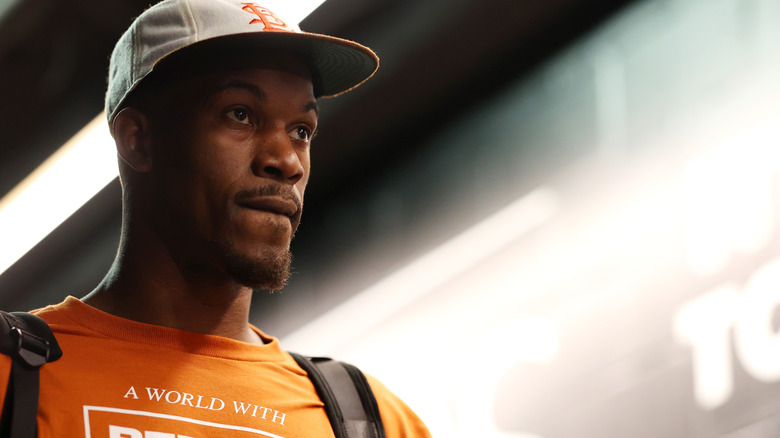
[(270, 204)]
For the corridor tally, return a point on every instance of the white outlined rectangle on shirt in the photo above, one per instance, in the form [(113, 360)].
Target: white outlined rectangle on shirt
[(89, 409)]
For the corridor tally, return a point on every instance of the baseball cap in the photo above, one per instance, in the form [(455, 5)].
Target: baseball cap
[(172, 28)]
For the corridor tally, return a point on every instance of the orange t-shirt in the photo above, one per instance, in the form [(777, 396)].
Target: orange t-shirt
[(123, 379)]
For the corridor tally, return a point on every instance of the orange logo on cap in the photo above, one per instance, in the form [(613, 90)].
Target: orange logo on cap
[(269, 20)]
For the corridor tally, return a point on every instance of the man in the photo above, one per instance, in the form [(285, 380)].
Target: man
[(212, 105)]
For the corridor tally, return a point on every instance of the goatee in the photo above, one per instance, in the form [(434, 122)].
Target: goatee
[(270, 272)]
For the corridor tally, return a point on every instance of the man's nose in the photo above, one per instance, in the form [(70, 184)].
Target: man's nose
[(277, 158)]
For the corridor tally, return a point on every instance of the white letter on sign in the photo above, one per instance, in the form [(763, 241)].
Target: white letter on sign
[(757, 343), (704, 324)]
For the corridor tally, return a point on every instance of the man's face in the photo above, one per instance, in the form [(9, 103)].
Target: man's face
[(231, 169)]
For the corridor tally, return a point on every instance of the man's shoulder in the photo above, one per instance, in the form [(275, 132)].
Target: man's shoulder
[(54, 312), (399, 419), (69, 317)]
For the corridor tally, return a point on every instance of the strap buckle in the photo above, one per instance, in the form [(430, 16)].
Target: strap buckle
[(32, 349)]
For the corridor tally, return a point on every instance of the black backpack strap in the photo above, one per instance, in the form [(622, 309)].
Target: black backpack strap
[(349, 401), (29, 341)]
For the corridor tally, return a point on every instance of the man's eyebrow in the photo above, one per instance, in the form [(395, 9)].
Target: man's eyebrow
[(237, 83), (258, 92), (312, 106)]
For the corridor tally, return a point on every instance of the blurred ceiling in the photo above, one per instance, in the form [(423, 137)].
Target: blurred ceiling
[(439, 58)]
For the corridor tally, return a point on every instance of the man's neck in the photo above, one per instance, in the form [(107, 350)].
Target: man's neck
[(169, 299)]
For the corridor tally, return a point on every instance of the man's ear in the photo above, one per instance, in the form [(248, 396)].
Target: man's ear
[(132, 135)]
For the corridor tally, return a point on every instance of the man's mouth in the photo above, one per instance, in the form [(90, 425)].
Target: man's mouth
[(271, 204)]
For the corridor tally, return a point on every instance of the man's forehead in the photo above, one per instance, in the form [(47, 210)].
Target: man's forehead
[(259, 81), (252, 82)]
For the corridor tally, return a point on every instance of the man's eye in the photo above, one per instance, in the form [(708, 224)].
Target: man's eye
[(301, 133), (240, 115)]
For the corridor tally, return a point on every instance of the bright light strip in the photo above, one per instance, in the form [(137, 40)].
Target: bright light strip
[(72, 176), (390, 295), (56, 189), (6, 6)]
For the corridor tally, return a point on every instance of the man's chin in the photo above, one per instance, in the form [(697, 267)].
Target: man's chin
[(270, 271)]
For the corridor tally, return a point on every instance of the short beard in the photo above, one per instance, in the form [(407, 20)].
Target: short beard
[(270, 272)]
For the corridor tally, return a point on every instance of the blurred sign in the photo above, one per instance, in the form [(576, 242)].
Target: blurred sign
[(644, 304)]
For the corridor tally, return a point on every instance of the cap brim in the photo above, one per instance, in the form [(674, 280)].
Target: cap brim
[(337, 65)]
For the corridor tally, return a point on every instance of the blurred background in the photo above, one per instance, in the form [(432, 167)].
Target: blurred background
[(539, 219)]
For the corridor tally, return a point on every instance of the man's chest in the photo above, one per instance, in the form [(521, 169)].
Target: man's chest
[(127, 394)]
